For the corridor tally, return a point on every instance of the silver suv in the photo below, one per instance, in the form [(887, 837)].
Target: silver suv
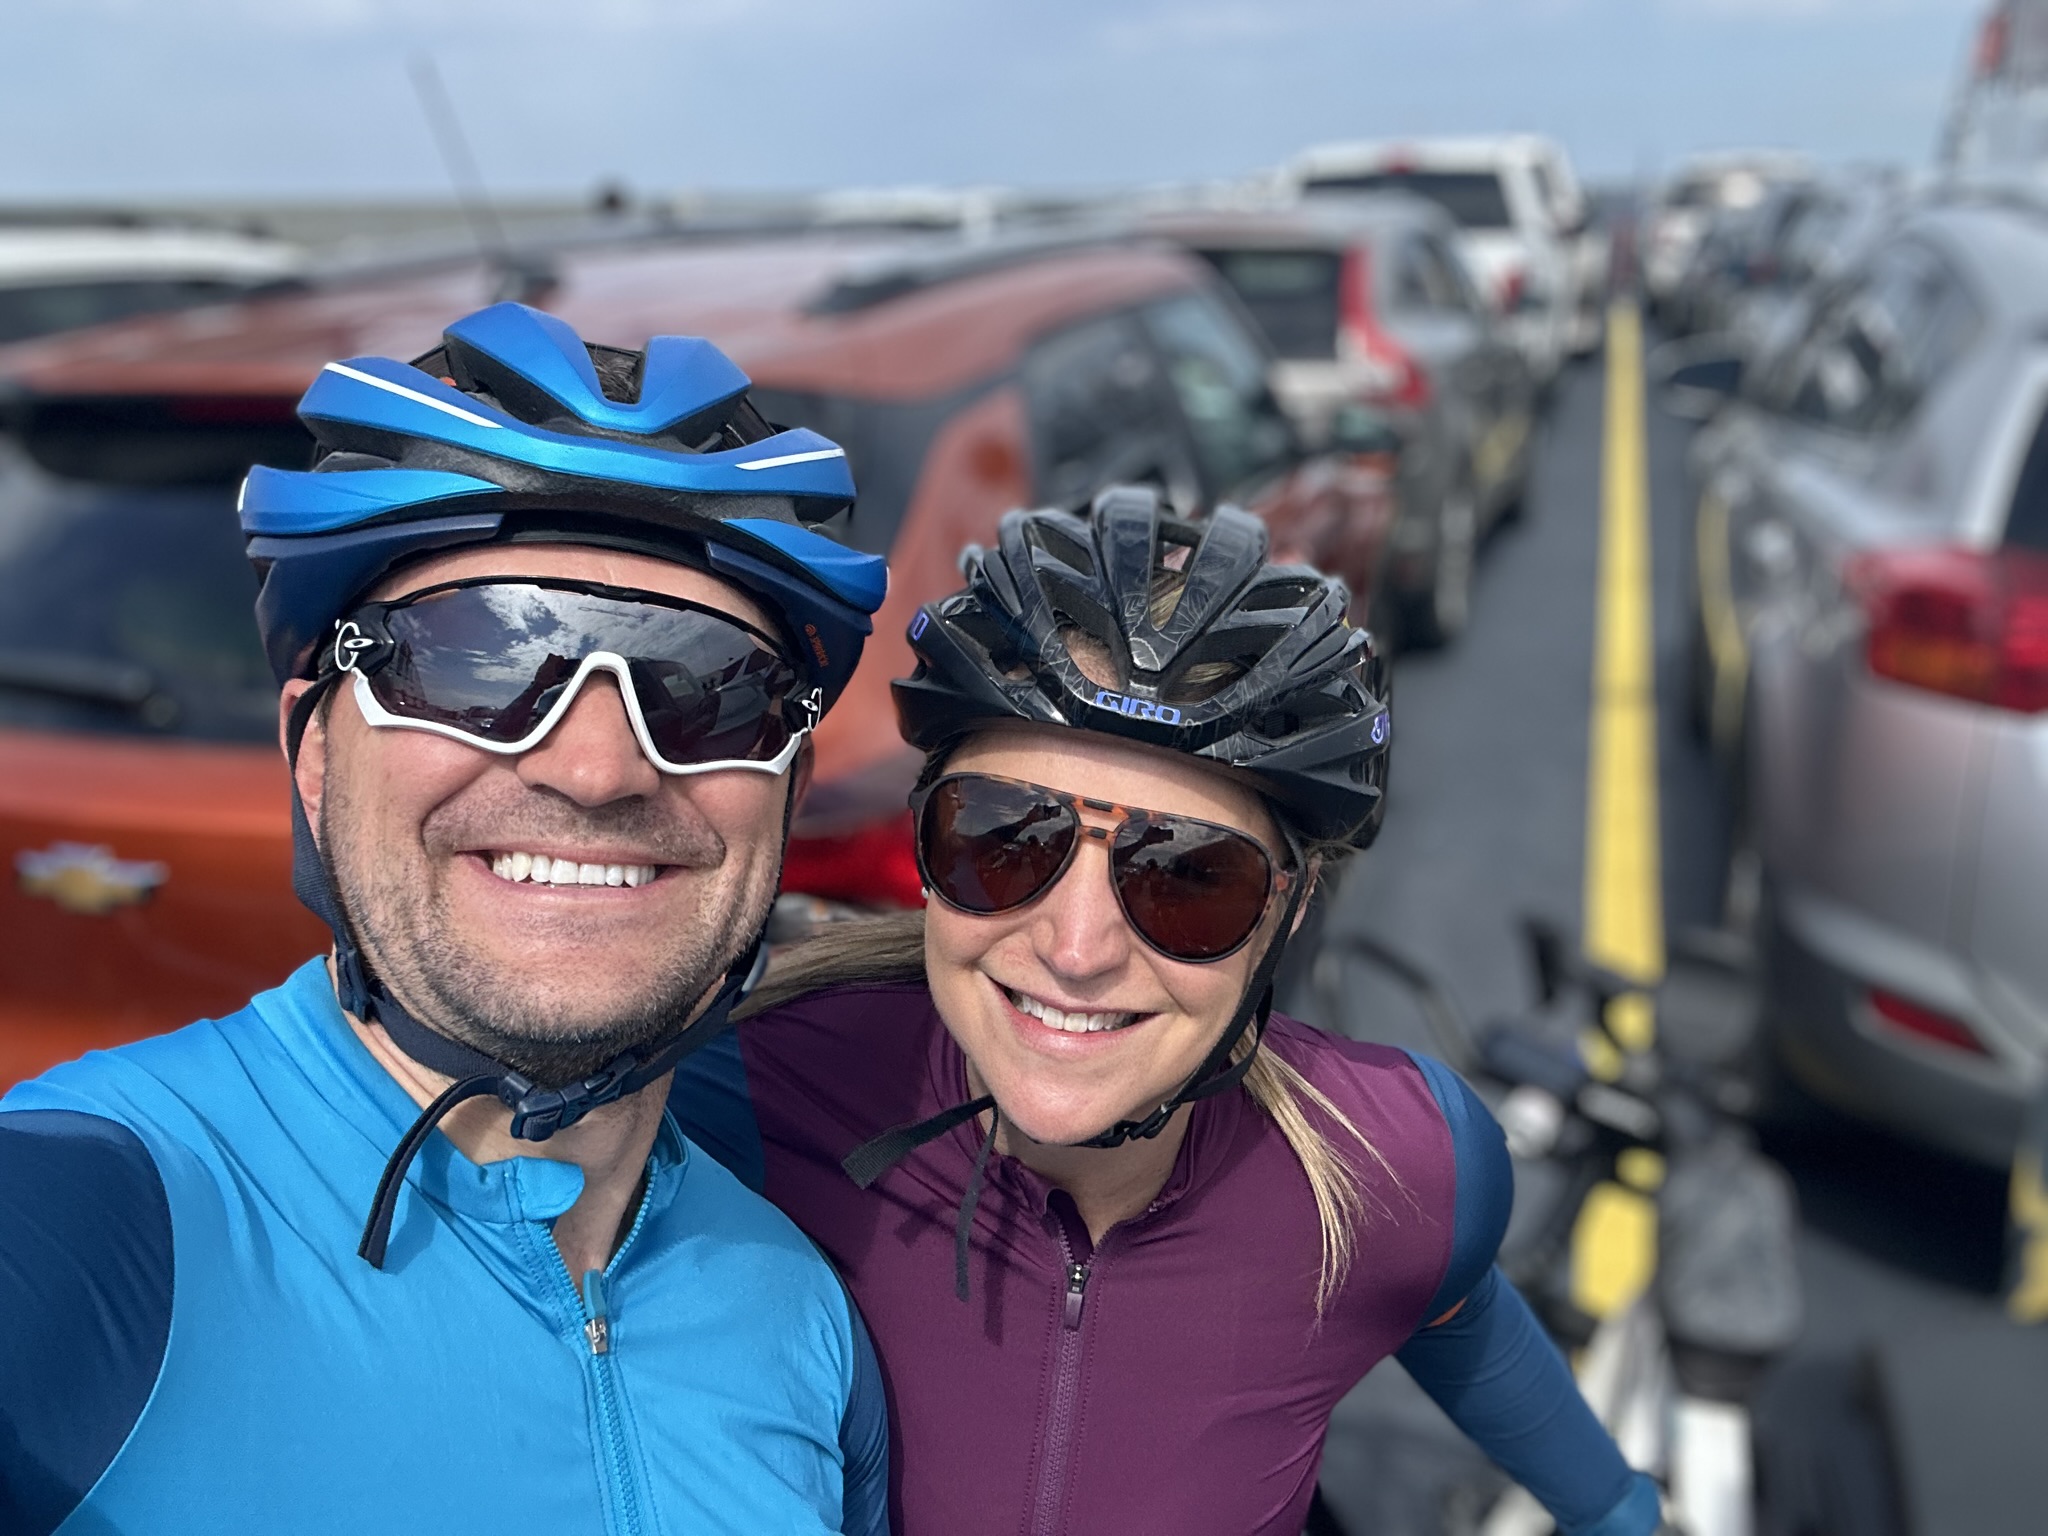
[(1872, 659)]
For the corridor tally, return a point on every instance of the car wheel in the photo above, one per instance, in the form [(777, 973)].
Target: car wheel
[(1436, 612)]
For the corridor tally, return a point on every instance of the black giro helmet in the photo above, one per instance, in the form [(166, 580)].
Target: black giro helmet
[(1252, 666)]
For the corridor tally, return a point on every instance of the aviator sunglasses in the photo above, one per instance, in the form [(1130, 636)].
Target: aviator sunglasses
[(1192, 890), (497, 664)]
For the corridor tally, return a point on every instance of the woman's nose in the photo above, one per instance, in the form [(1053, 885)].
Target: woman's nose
[(592, 755), (1079, 929)]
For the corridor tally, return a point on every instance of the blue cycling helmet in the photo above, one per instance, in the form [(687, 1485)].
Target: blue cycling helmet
[(506, 432)]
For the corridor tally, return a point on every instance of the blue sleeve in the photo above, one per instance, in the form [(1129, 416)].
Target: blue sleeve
[(1496, 1373), (864, 1441), (711, 1102), (1493, 1369), (1485, 1185), (85, 1306)]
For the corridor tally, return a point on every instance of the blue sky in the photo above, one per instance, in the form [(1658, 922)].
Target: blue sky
[(113, 98)]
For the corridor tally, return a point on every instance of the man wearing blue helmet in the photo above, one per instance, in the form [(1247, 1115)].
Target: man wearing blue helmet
[(409, 1243)]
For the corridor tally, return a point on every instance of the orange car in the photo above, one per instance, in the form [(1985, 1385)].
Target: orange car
[(143, 808)]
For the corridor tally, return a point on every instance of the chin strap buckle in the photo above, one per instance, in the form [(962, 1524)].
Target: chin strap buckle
[(1135, 1130), (537, 1113)]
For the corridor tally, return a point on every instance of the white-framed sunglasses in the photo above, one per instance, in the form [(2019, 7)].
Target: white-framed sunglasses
[(496, 663)]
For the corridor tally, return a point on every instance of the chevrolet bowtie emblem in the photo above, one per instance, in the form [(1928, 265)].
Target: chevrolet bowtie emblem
[(87, 878)]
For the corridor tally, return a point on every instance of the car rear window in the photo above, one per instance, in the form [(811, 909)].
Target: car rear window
[(124, 595), (1099, 411), (1292, 295), (1474, 199), (2027, 524), (1219, 378), (43, 308), (886, 443)]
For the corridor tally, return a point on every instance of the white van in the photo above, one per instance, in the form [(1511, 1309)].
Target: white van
[(1524, 227)]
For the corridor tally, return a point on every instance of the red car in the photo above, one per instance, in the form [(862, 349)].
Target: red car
[(143, 810)]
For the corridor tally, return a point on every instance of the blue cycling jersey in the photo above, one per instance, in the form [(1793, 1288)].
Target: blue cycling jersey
[(188, 1340)]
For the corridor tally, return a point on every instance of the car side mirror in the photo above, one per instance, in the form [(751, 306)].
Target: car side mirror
[(1699, 375), (1358, 429)]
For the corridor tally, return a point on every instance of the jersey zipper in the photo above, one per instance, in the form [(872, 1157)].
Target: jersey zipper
[(1066, 1382), (592, 1306)]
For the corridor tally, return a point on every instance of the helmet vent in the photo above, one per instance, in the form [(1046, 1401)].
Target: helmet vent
[(993, 639), (1277, 724), (1204, 680), (342, 460), (1268, 595), (618, 373), (1054, 541)]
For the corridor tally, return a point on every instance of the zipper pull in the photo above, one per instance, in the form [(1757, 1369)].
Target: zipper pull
[(597, 1325), (1077, 1293)]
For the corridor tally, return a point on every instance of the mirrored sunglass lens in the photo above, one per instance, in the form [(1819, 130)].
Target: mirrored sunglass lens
[(492, 660), (1196, 892), (990, 846), (715, 695)]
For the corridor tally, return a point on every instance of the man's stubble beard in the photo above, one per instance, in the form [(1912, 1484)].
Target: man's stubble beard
[(409, 938)]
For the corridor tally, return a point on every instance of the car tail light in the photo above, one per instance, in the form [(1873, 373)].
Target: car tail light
[(1972, 624), (1924, 1023), (1397, 378), (874, 866), (1991, 44), (1514, 287)]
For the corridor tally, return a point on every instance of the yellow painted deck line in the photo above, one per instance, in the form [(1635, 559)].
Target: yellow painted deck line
[(1624, 905), (1614, 1240)]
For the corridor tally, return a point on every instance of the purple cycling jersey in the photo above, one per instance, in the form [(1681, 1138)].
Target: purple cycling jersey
[(1175, 1376)]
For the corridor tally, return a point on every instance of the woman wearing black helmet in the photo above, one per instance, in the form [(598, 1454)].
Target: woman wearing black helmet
[(1131, 1237)]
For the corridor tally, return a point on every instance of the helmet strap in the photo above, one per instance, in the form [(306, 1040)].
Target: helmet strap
[(537, 1113)]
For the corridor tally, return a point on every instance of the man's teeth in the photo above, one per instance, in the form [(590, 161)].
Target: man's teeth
[(1071, 1023), (539, 869)]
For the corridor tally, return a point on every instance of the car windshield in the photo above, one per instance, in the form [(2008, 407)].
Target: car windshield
[(1475, 199), (1292, 294), (124, 595)]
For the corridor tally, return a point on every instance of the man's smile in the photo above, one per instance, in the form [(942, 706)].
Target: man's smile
[(546, 869)]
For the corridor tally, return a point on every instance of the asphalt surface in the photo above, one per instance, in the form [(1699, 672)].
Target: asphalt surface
[(1486, 823)]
